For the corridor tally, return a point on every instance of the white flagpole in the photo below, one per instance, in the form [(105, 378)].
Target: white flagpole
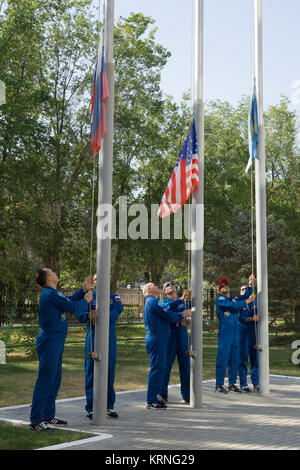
[(197, 216), (104, 244), (261, 218)]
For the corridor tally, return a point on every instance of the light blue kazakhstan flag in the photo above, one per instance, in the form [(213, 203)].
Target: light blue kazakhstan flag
[(252, 128)]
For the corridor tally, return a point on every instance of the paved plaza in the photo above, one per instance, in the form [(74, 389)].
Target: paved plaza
[(231, 422)]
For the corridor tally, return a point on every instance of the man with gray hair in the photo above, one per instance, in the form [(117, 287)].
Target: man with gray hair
[(157, 321), (178, 341)]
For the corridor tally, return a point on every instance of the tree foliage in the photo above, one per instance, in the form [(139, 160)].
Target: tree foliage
[(231, 253), (47, 56)]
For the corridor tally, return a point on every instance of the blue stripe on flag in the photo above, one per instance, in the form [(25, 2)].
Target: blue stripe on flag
[(253, 128)]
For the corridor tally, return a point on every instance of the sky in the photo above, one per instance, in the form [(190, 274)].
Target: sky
[(228, 46)]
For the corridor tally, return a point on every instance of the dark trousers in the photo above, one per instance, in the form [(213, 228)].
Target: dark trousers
[(50, 347), (178, 345), (156, 346), (89, 370)]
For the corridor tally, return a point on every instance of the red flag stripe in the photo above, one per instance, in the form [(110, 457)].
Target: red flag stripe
[(184, 179)]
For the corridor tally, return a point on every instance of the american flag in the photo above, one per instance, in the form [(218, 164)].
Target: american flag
[(185, 177), (100, 94)]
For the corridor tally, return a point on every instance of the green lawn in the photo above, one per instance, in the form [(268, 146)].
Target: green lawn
[(18, 437), (18, 377), (132, 365)]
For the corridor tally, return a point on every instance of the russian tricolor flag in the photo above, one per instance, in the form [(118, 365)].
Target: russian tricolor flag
[(100, 94)]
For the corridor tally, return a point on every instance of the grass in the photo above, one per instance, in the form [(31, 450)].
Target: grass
[(132, 365), (18, 376), (17, 437)]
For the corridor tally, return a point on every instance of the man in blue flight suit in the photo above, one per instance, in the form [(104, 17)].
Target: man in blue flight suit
[(116, 308), (157, 321), (178, 341), (50, 342), (227, 309), (248, 320)]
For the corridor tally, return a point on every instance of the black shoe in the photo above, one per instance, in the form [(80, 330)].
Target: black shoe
[(42, 426), (256, 388), (186, 400), (220, 389), (160, 405), (163, 398), (89, 416), (111, 414), (245, 389), (234, 388), (56, 421)]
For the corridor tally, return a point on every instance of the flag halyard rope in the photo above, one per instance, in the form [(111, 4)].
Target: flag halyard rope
[(92, 347), (256, 326)]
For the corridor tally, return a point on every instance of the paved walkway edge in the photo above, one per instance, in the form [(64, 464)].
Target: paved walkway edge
[(96, 435)]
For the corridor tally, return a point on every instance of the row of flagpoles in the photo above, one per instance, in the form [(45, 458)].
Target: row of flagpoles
[(186, 180)]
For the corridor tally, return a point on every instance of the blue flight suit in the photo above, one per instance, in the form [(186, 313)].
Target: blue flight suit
[(157, 321), (228, 342), (178, 345), (50, 346), (247, 341), (116, 307)]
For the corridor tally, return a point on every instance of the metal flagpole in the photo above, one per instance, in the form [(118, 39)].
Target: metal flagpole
[(197, 216), (104, 243), (261, 219)]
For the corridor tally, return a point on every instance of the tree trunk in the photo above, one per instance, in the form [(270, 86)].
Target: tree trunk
[(116, 270), (57, 241), (297, 314)]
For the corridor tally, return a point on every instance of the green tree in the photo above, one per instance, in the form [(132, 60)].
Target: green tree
[(229, 254), (226, 156), (47, 55), (283, 167), (45, 129), (23, 135), (139, 112)]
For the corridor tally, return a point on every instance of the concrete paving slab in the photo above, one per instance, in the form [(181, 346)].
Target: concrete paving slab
[(246, 421)]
